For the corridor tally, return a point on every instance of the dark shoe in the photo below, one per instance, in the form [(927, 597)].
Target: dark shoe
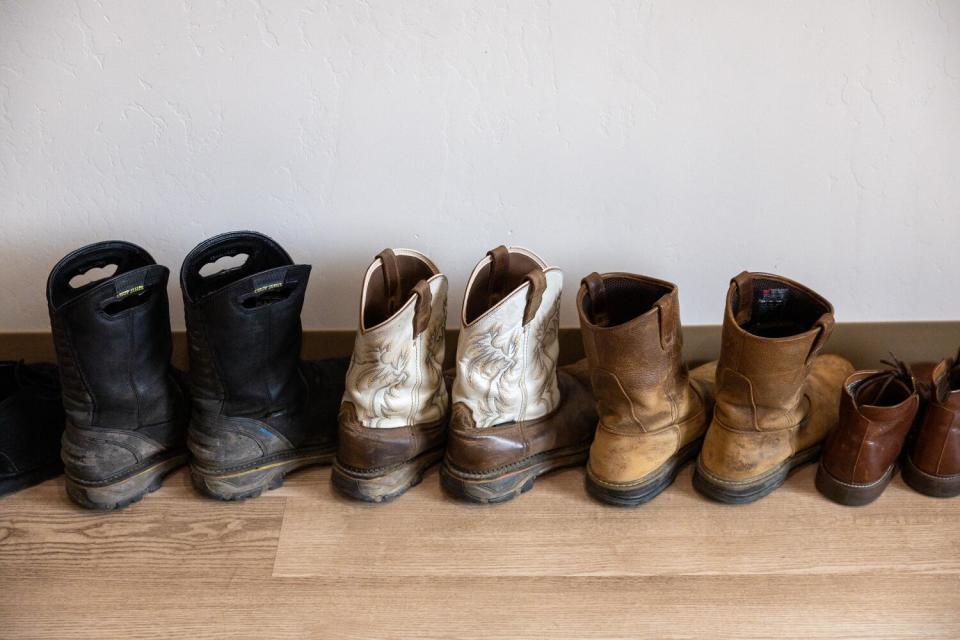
[(393, 420), (514, 417), (877, 411), (932, 465), (126, 408), (653, 412), (777, 398), (258, 411), (31, 423)]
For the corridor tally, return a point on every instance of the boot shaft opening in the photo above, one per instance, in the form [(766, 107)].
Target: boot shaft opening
[(773, 307), (390, 282), (614, 299)]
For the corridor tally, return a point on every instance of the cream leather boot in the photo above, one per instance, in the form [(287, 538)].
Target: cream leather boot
[(515, 416), (395, 407)]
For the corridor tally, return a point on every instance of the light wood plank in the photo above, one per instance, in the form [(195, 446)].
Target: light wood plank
[(924, 606), (172, 532), (557, 530)]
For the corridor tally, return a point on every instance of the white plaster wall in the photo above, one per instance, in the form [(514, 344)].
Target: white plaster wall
[(683, 139)]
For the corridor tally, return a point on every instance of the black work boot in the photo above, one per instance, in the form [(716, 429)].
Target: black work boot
[(126, 407), (31, 422), (258, 411)]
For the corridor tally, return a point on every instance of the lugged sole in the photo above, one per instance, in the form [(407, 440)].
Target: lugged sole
[(928, 485), (635, 494), (30, 478), (852, 495), (736, 492), (121, 493), (496, 487), (385, 485), (250, 483)]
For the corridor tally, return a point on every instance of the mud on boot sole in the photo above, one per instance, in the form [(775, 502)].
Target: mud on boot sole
[(247, 483), (509, 481), (744, 492), (385, 484), (118, 494), (637, 493)]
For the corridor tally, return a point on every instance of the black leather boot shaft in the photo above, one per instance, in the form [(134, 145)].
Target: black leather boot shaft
[(244, 326), (259, 412), (125, 407)]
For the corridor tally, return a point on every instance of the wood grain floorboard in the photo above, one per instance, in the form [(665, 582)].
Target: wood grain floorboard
[(557, 530), (925, 606), (301, 562)]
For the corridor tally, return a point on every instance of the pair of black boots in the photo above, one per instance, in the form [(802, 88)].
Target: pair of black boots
[(250, 410)]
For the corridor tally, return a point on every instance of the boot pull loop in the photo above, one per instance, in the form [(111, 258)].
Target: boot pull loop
[(598, 298), (538, 284), (499, 268), (390, 269), (825, 325), (666, 308), (744, 284), (421, 317)]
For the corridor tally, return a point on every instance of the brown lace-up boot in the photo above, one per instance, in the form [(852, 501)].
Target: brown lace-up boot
[(932, 465), (776, 398), (877, 409), (653, 414)]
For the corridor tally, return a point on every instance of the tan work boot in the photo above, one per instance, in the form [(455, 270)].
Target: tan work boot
[(394, 413), (652, 414), (776, 399), (515, 416)]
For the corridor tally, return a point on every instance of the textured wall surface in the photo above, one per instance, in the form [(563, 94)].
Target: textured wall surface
[(683, 139)]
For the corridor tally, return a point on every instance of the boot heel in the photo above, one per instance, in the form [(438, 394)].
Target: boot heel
[(120, 493), (933, 486), (635, 494), (751, 490), (851, 495), (383, 486), (495, 487), (250, 483)]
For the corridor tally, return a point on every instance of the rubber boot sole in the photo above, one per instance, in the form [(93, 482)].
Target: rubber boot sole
[(250, 482), (744, 492), (383, 485), (118, 494), (637, 493), (29, 478), (929, 485), (852, 495), (510, 481)]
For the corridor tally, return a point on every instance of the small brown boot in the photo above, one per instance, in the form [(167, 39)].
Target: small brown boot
[(776, 399), (515, 415), (652, 414), (394, 413), (877, 410), (932, 465)]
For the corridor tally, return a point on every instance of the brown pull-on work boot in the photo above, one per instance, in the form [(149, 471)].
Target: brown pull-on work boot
[(515, 416), (932, 464), (776, 397), (877, 410), (653, 413), (393, 418)]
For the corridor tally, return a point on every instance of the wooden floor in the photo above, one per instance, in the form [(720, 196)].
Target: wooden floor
[(301, 562)]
